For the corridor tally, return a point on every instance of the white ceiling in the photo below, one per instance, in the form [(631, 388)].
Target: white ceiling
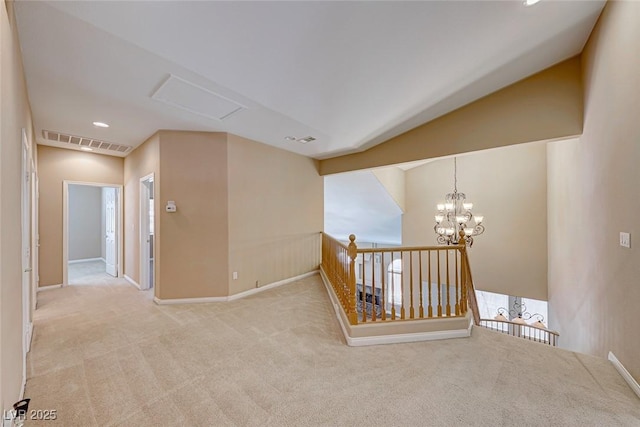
[(351, 74)]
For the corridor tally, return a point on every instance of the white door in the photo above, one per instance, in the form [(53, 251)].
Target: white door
[(111, 247)]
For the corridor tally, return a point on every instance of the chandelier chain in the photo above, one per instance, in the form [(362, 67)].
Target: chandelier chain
[(455, 175)]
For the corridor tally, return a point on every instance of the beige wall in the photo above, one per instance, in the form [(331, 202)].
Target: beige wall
[(193, 242), (392, 179), (547, 105), (241, 206), (144, 160), (15, 115), (593, 195), (508, 186), (55, 165), (275, 214)]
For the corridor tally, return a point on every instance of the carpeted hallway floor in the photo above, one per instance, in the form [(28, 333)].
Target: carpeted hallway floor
[(107, 355)]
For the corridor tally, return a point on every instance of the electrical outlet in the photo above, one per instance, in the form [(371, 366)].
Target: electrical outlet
[(235, 275), (625, 240)]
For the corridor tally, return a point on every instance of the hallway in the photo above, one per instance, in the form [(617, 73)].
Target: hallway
[(107, 355)]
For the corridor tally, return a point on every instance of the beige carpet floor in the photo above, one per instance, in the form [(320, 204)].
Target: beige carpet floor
[(106, 355), (89, 273)]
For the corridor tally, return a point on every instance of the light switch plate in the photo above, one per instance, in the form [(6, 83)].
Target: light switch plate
[(625, 240), (235, 275)]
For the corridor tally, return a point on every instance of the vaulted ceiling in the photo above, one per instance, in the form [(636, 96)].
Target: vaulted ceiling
[(349, 74)]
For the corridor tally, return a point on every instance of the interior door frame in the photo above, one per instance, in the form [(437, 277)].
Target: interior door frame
[(65, 225), (26, 252), (144, 232), (35, 236)]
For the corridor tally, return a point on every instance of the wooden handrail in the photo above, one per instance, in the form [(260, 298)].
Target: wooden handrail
[(520, 330), (409, 248), (521, 324)]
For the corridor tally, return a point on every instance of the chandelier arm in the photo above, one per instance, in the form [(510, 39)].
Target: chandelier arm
[(477, 230)]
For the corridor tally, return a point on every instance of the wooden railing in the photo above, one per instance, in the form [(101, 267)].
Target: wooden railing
[(520, 330), (338, 265), (405, 283)]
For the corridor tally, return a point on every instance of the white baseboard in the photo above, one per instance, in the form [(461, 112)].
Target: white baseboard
[(625, 374), (133, 282), (78, 261), (48, 287), (189, 300), (404, 338), (232, 297)]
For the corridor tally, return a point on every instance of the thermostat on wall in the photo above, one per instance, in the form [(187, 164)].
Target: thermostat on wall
[(171, 206)]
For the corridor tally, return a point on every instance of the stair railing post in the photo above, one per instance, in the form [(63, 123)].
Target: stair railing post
[(353, 253), (463, 273)]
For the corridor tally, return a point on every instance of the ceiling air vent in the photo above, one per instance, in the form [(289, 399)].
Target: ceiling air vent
[(304, 140), (80, 141)]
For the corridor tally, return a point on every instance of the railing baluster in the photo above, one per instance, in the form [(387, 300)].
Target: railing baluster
[(448, 286), (439, 288), (402, 313), (393, 289), (421, 313), (373, 287), (430, 307), (411, 310), (364, 293), (383, 301), (353, 253), (455, 254)]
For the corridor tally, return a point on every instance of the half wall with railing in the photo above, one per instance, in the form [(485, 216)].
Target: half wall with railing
[(400, 285)]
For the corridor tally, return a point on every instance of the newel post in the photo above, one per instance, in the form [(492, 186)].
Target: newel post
[(463, 273), (353, 253)]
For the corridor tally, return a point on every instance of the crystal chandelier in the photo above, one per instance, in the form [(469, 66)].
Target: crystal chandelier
[(454, 216)]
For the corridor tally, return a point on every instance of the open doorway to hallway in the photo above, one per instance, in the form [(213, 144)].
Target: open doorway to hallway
[(92, 233)]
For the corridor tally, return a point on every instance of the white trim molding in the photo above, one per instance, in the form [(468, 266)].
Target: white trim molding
[(414, 337), (336, 305), (625, 374), (132, 282), (48, 287), (235, 296), (387, 338), (78, 261)]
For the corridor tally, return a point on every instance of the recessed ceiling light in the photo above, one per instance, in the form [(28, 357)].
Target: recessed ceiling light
[(100, 125), (290, 138), (86, 148), (530, 2)]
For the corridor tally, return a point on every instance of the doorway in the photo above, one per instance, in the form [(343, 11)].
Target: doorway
[(92, 232), (147, 232)]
